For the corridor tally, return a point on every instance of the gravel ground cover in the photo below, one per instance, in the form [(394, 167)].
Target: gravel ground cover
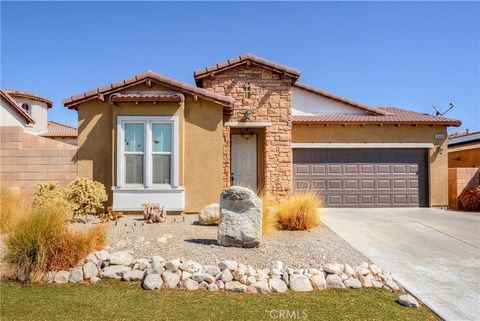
[(182, 237)]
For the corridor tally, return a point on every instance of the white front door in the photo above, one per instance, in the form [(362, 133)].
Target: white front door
[(244, 161)]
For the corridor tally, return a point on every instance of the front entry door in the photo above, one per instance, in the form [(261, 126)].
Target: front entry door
[(244, 161)]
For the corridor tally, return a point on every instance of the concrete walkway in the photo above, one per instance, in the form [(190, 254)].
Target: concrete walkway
[(434, 254)]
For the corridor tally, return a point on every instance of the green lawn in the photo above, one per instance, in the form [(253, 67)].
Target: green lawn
[(127, 301)]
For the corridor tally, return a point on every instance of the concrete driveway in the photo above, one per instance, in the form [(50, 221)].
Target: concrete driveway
[(434, 254)]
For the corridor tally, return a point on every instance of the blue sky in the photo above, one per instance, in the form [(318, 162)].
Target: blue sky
[(410, 55)]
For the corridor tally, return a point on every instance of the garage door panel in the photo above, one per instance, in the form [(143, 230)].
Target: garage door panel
[(364, 177), (318, 169), (351, 184), (319, 184), (368, 200)]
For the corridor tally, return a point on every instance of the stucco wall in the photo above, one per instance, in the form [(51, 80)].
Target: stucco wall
[(200, 143), (9, 117), (304, 101), (438, 163), (38, 111)]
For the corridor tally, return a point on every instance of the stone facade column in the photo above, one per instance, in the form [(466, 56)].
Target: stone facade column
[(269, 98)]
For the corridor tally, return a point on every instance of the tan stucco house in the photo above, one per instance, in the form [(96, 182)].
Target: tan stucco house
[(249, 121)]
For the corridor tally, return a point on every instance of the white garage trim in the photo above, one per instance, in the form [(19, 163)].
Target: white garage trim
[(362, 145)]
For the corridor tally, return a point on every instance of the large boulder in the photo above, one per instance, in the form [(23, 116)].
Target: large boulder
[(300, 283), (240, 223), (209, 215)]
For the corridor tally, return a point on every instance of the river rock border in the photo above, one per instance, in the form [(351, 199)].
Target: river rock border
[(227, 275)]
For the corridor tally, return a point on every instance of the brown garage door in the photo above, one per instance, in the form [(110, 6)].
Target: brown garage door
[(363, 177)]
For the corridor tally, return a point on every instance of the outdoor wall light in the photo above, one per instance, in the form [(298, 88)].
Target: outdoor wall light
[(246, 134), (248, 113), (440, 149)]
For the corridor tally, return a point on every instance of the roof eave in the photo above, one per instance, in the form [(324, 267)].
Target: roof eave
[(73, 101), (455, 123)]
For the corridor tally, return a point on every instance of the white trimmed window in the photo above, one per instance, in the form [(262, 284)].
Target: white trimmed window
[(147, 154)]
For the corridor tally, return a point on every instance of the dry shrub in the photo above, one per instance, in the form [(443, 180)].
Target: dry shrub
[(48, 193), (110, 215), (13, 207), (86, 196), (469, 199), (299, 211), (42, 241), (75, 246), (269, 218)]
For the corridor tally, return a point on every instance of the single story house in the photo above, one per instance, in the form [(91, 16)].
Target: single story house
[(250, 122), (464, 149)]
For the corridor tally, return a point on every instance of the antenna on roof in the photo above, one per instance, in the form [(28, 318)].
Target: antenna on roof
[(438, 112)]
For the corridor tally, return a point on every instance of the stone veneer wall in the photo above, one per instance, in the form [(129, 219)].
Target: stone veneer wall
[(27, 159), (270, 101)]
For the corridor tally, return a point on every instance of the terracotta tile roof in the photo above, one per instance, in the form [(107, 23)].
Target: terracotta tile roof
[(354, 104), (395, 116), (73, 101), (24, 94), (56, 129), (4, 94), (243, 59), (130, 97)]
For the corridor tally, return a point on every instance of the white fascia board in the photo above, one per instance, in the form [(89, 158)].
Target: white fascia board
[(362, 145)]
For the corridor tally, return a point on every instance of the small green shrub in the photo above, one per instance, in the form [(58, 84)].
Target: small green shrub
[(86, 196), (13, 207), (48, 193), (299, 211), (42, 242)]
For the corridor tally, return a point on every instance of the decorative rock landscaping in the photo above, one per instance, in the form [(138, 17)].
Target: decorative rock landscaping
[(228, 275), (240, 223)]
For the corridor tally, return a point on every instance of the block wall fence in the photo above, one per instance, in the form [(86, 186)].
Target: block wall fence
[(26, 160), (459, 179)]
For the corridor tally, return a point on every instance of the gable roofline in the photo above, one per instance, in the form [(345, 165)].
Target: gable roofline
[(395, 116), (149, 75), (201, 73), (27, 95), (342, 100), (4, 94)]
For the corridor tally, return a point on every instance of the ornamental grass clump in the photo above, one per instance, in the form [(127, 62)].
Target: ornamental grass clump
[(269, 217), (12, 208), (86, 196), (299, 211), (42, 241)]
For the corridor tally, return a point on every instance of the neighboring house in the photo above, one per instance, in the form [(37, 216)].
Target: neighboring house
[(30, 111), (26, 156), (248, 121), (61, 132), (464, 149)]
